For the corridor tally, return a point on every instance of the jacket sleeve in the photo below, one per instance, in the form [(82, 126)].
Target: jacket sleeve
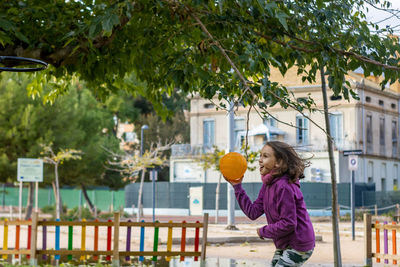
[(287, 221), (252, 210)]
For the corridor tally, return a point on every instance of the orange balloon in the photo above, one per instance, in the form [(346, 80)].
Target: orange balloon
[(233, 166)]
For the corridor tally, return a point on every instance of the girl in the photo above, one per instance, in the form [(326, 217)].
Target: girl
[(281, 200)]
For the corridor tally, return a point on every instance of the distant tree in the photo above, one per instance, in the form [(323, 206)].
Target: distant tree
[(76, 120), (131, 165), (211, 161), (57, 159)]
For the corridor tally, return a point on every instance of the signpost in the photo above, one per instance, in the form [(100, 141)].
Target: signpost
[(29, 170), (353, 166), (153, 178)]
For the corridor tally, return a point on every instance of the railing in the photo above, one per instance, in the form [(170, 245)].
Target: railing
[(376, 227), (31, 251)]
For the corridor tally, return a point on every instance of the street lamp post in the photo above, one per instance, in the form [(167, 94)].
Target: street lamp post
[(144, 127), (230, 191)]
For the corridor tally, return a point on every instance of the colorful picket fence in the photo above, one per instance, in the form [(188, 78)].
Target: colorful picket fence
[(389, 231), (113, 240)]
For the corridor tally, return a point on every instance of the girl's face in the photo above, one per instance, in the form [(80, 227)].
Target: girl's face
[(267, 160)]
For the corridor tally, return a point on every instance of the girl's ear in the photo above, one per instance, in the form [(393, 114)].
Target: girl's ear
[(278, 164)]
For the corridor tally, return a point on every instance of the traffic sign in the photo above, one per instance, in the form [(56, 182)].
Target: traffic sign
[(352, 152), (353, 162)]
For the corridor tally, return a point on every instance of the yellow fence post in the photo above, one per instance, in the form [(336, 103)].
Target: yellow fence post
[(5, 238), (33, 260), (367, 239), (116, 240)]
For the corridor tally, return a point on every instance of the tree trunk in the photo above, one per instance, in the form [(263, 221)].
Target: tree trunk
[(139, 203), (87, 199), (335, 224), (29, 203), (217, 199), (58, 197)]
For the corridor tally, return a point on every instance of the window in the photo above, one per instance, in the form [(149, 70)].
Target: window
[(369, 134), (301, 130), (394, 139), (395, 175), (208, 105), (239, 127), (336, 123), (393, 105), (370, 172), (269, 121), (382, 135), (129, 136), (383, 184), (368, 99), (381, 103), (208, 133), (383, 177)]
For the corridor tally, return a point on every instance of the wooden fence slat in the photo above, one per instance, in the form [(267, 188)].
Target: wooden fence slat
[(183, 241), (108, 258), (116, 240), (44, 240), (394, 243), (17, 238), (32, 251), (96, 240), (141, 246), (196, 241), (385, 243), (57, 245), (128, 241), (204, 239), (5, 239), (367, 240), (83, 240), (28, 245), (169, 241), (110, 223), (386, 256), (378, 241), (105, 252), (70, 240), (34, 231), (155, 242), (16, 251)]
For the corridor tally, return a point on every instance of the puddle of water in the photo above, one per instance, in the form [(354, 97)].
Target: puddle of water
[(224, 262), (218, 262)]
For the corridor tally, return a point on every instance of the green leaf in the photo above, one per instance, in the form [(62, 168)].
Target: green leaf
[(6, 25), (282, 19), (94, 30), (22, 37)]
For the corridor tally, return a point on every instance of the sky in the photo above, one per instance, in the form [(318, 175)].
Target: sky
[(375, 15)]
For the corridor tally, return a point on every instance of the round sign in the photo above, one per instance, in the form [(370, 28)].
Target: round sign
[(353, 162)]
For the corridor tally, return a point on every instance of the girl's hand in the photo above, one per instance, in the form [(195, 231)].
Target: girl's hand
[(259, 234), (235, 182)]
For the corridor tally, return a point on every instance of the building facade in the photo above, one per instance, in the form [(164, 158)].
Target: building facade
[(370, 124)]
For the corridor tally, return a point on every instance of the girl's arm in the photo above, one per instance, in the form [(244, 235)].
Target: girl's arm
[(287, 216), (252, 210)]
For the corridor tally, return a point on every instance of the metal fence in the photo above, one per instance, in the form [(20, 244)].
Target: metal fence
[(176, 195), (101, 198)]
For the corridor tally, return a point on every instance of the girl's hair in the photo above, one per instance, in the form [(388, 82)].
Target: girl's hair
[(291, 163)]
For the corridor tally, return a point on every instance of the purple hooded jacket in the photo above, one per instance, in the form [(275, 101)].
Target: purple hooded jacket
[(289, 224)]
